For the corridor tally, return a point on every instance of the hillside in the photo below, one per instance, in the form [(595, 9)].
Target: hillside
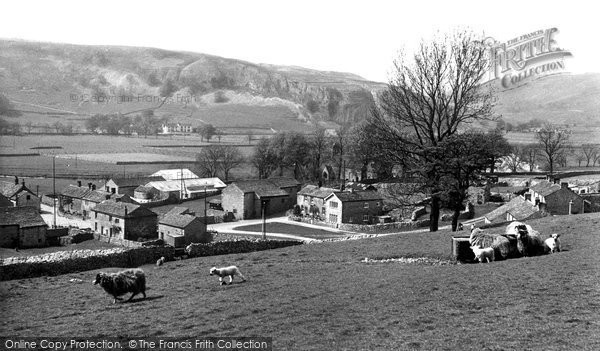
[(71, 78)]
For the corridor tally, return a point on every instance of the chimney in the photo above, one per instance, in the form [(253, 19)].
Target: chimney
[(320, 183), (16, 180), (79, 183), (564, 185), (117, 199), (93, 186), (23, 182), (125, 211), (90, 186), (107, 197)]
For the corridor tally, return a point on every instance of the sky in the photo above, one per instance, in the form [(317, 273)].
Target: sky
[(361, 37)]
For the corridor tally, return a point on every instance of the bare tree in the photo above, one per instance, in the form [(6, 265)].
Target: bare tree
[(513, 161), (318, 142), (339, 148), (230, 157), (553, 142), (529, 153), (429, 97), (207, 162), (590, 152)]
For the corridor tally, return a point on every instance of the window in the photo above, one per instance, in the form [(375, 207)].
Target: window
[(282, 201), (28, 197), (366, 218), (116, 220), (333, 218), (95, 214), (366, 205), (109, 218), (333, 204), (96, 226), (235, 210)]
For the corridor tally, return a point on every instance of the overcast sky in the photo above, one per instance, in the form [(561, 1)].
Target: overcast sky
[(361, 37)]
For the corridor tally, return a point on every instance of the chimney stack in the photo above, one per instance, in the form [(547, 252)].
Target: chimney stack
[(564, 185), (90, 186), (79, 183), (23, 182), (16, 180), (93, 186), (107, 197)]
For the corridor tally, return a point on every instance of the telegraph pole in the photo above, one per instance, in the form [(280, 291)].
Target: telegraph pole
[(54, 186)]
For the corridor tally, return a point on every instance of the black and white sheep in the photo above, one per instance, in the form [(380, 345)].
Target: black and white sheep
[(553, 243), (128, 281), (529, 241), (504, 247)]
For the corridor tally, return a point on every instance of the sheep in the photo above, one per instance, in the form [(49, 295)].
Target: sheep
[(483, 254), (117, 284), (529, 242), (160, 261), (504, 247), (553, 243)]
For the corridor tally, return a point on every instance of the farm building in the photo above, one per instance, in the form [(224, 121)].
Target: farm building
[(126, 186), (244, 198), (175, 174), (124, 220), (311, 199), (143, 194), (188, 188), (517, 209), (174, 128), (22, 227), (359, 207), (19, 194), (179, 228), (80, 200), (555, 199)]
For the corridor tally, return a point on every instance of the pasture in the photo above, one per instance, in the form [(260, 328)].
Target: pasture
[(322, 297)]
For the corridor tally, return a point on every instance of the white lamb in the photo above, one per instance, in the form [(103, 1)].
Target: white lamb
[(483, 254), (553, 243)]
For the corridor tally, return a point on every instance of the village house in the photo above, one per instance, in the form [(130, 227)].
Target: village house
[(311, 199), (517, 209), (80, 200), (359, 207), (187, 188), (124, 220), (19, 194), (126, 186), (179, 227), (175, 174), (245, 198), (22, 227), (554, 198), (175, 128)]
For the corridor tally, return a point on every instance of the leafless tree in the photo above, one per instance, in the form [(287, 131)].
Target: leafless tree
[(339, 148), (513, 161), (207, 162), (529, 153), (590, 153), (553, 142), (218, 158), (430, 96), (318, 142), (230, 157)]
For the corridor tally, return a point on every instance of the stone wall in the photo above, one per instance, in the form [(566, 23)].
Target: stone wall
[(386, 227), (236, 246), (64, 262)]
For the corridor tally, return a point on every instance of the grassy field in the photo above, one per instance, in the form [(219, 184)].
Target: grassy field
[(286, 228), (322, 297)]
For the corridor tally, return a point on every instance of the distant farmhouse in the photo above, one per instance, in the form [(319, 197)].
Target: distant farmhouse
[(176, 128), (22, 227), (124, 220), (244, 198), (19, 194), (360, 207), (179, 227)]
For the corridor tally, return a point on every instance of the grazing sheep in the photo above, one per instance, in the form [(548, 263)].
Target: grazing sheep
[(529, 242), (504, 247), (483, 254), (226, 272), (553, 243), (117, 284), (160, 261)]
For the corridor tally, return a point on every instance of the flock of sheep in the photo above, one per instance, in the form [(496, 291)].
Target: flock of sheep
[(519, 240)]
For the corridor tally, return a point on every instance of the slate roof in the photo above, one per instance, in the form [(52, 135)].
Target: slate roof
[(347, 196), (177, 211), (518, 207), (118, 209), (130, 182), (545, 188), (177, 220), (9, 189), (315, 191), (79, 192), (190, 184), (266, 187), (5, 202), (25, 217)]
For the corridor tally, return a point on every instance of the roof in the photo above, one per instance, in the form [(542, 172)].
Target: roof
[(545, 188), (122, 209), (130, 182), (5, 202), (143, 189), (178, 211), (9, 189), (175, 174), (177, 220), (190, 184), (315, 191), (518, 207), (347, 196), (79, 192), (25, 217), (266, 187)]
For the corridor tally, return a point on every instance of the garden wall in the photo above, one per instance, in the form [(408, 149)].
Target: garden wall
[(386, 227), (236, 246)]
